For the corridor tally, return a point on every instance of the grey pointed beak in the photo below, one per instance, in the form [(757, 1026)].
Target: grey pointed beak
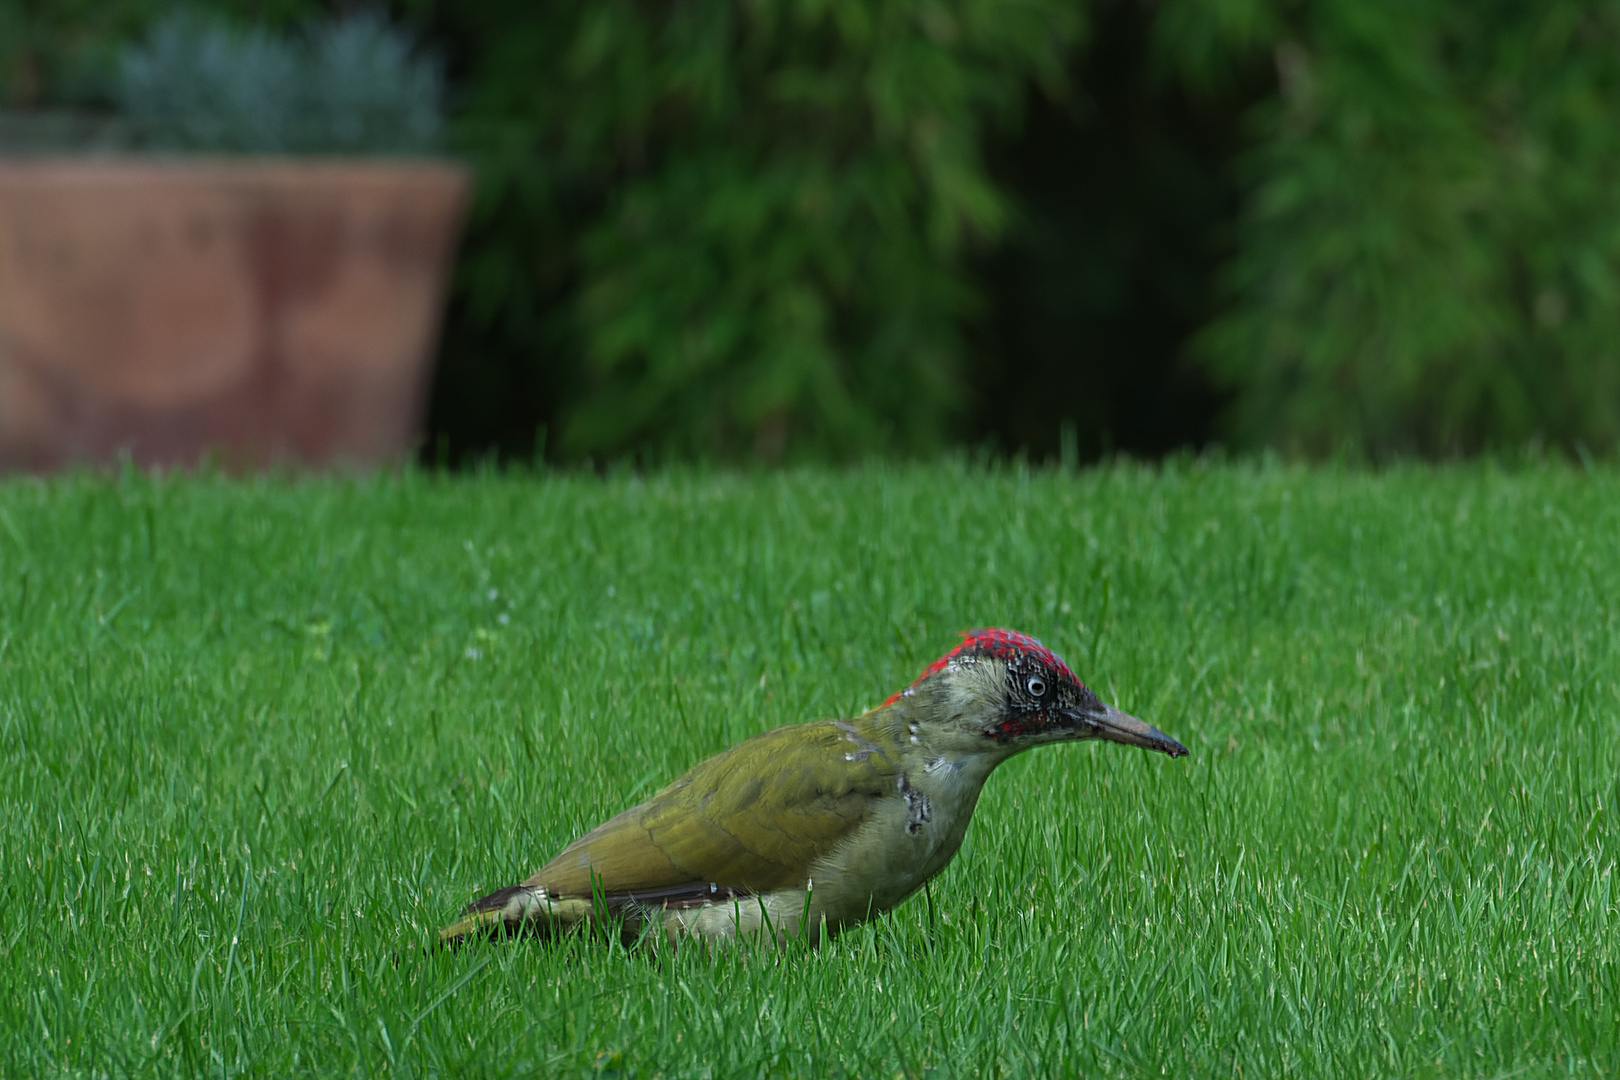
[(1122, 727)]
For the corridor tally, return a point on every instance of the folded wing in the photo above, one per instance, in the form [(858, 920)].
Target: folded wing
[(750, 820)]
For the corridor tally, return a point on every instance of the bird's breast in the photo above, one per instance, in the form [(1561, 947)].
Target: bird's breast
[(910, 837)]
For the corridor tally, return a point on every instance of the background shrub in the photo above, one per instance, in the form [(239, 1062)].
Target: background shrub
[(748, 222), (1429, 255)]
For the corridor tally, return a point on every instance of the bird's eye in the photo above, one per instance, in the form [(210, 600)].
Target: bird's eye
[(1036, 686)]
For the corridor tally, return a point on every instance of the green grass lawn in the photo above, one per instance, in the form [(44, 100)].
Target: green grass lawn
[(259, 739)]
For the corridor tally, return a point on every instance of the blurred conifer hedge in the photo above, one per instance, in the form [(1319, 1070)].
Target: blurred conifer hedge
[(788, 229), (1428, 255)]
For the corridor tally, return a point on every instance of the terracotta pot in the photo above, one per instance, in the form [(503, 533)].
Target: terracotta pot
[(262, 309)]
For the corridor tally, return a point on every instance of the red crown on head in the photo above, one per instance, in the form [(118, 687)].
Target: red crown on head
[(993, 641)]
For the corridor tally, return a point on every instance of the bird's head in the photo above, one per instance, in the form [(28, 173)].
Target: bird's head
[(1005, 691)]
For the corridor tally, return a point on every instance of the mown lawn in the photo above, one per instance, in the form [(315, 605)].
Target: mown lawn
[(258, 739)]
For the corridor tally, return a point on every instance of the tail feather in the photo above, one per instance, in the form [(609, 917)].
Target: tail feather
[(498, 899), (516, 909)]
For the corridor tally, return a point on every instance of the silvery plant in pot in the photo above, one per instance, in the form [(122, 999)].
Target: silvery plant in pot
[(260, 279)]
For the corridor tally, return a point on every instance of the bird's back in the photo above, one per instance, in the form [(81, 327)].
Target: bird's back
[(749, 819)]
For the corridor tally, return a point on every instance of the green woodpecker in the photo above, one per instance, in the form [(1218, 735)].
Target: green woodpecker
[(817, 826)]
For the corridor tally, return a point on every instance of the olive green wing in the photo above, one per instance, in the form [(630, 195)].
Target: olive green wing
[(750, 820)]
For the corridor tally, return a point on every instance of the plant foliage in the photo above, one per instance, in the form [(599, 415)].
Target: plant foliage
[(348, 85), (1430, 258), (760, 211)]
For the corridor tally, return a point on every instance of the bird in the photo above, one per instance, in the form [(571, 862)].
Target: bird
[(813, 828)]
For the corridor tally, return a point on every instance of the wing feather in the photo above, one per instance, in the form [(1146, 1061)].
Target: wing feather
[(751, 819)]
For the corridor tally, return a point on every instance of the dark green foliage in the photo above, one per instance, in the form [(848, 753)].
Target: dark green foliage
[(1430, 258), (751, 217)]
